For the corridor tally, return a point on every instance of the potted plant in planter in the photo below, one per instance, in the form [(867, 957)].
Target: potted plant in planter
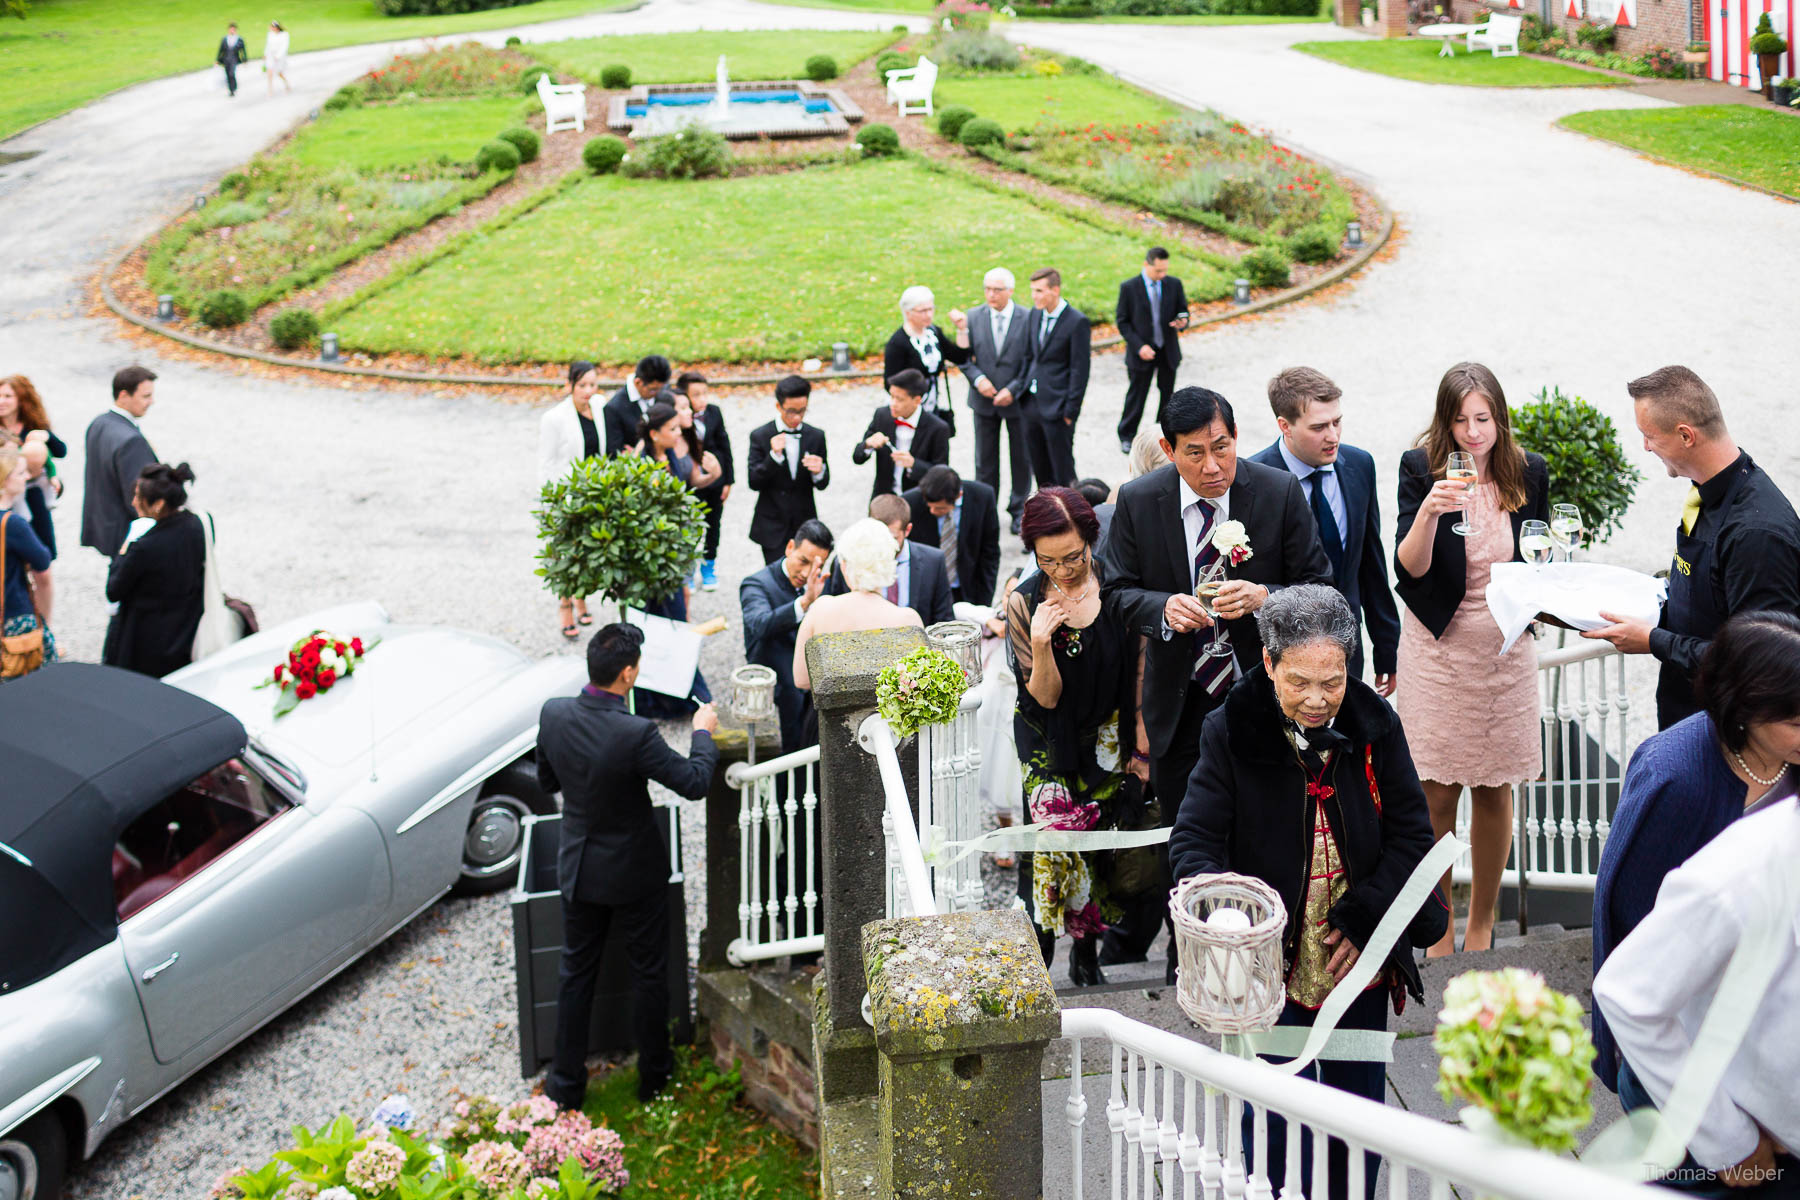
[(1768, 46), (1783, 90)]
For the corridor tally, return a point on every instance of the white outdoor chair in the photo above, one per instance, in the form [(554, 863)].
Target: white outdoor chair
[(565, 105), (909, 88), (1500, 35)]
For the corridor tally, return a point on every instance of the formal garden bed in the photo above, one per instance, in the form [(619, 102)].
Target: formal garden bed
[(1755, 146), (394, 222)]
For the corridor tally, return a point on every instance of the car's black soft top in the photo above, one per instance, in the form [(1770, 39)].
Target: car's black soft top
[(84, 751)]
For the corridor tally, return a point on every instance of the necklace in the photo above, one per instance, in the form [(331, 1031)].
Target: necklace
[(1079, 596), (1767, 783)]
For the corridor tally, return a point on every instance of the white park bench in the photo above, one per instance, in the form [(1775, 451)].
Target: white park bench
[(1500, 34), (909, 88), (565, 105)]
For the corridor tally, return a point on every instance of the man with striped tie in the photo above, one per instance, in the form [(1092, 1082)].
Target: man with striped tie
[(1169, 528)]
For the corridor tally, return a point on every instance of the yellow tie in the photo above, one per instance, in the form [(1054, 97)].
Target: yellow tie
[(1690, 510)]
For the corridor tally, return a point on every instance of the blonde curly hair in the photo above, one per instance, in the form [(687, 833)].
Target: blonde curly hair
[(866, 552)]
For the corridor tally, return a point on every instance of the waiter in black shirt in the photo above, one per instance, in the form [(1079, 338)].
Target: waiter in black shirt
[(1737, 548)]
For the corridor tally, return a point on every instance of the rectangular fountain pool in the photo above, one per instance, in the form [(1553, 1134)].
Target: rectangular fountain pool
[(787, 109)]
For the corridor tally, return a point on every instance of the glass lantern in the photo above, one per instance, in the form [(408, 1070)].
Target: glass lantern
[(961, 640), (753, 693)]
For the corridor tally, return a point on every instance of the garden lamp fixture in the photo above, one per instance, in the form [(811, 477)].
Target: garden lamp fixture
[(328, 348), (1240, 291), (199, 201), (961, 641), (1353, 233), (313, 115), (165, 307), (840, 356)]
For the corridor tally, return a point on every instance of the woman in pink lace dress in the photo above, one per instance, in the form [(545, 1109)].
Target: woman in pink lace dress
[(1470, 712)]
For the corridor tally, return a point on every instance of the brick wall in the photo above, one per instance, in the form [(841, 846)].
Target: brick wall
[(1671, 23), (779, 1084)]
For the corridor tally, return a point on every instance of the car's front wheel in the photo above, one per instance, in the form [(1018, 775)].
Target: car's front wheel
[(495, 838), (32, 1158)]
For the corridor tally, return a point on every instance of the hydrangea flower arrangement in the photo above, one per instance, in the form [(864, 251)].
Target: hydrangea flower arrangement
[(1517, 1052), (924, 688)]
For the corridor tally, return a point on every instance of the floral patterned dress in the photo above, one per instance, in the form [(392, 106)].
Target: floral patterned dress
[(1071, 758)]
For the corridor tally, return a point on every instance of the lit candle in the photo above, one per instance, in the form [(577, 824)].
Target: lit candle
[(1225, 976)]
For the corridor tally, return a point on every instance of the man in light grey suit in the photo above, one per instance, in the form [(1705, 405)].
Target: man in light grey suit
[(116, 451), (999, 359)]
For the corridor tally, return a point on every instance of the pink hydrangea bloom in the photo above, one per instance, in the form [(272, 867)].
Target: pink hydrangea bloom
[(376, 1167), (526, 1115), (498, 1165), (600, 1151)]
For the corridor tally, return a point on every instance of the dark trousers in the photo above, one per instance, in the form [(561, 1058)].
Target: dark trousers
[(1365, 1079), (645, 926), (715, 509), (772, 551), (1690, 1178), (987, 456), (230, 77), (1138, 375), (1052, 447)]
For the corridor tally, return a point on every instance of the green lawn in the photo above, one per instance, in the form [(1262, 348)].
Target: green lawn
[(68, 52), (1418, 59), (763, 267), (381, 136), (1746, 143), (1064, 101), (691, 57)]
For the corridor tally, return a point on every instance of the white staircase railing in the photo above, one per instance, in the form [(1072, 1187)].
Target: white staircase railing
[(778, 832), (949, 808), (909, 891), (1175, 1107)]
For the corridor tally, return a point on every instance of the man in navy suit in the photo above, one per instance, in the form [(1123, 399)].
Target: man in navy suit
[(1056, 382), (1339, 482), (1151, 312), (775, 600)]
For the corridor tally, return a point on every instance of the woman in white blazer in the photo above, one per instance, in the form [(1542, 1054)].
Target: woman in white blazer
[(568, 433)]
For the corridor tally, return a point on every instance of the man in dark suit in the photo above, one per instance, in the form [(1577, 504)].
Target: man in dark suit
[(1339, 481), (905, 440), (709, 423), (623, 413), (1151, 312), (999, 357), (116, 451), (232, 53), (1058, 379), (962, 522), (1168, 528), (786, 465), (775, 600), (921, 581), (613, 862)]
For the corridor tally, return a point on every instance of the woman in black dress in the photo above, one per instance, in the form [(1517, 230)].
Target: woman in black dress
[(1073, 656), (159, 582), (921, 346)]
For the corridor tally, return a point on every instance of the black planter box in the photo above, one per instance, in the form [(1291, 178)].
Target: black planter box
[(537, 950)]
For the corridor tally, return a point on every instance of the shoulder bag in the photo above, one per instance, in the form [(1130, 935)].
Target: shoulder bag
[(20, 654)]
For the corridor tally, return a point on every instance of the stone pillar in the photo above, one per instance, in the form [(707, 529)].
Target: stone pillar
[(723, 868), (845, 668), (963, 1008)]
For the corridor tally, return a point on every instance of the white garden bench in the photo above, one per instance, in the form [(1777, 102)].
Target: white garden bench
[(565, 105), (909, 88), (1500, 35)]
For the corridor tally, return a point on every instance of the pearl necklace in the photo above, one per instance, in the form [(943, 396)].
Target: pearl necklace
[(1766, 783)]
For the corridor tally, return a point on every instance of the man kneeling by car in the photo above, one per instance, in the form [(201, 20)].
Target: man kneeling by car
[(612, 863)]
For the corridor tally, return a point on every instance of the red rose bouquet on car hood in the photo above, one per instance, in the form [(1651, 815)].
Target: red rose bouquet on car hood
[(317, 663)]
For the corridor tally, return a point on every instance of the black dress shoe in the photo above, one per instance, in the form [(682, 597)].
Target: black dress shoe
[(1084, 963), (1125, 446), (650, 1087), (1017, 520)]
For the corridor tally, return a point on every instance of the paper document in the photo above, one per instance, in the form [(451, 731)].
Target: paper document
[(671, 654)]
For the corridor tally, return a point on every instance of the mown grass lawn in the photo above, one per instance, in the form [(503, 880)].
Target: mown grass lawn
[(1751, 144), (68, 52), (1418, 59), (694, 57), (1067, 101), (382, 136), (765, 267)]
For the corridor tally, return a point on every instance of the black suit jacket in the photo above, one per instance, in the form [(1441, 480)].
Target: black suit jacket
[(770, 629), (116, 452), (714, 437), (783, 500), (899, 355), (1434, 596), (1135, 319), (930, 448), (232, 51), (621, 417), (927, 586), (1059, 366), (977, 539), (1146, 561), (159, 586), (601, 758), (1007, 366), (1364, 577)]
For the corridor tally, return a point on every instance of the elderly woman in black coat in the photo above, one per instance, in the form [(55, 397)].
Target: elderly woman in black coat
[(1306, 783), (921, 346)]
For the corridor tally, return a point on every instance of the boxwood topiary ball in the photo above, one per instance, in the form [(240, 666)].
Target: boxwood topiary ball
[(1266, 266), (891, 60), (878, 140), (294, 327), (981, 132), (950, 121), (529, 80), (223, 308), (603, 154), (821, 67), (497, 156), (615, 77), (524, 140), (1314, 244), (515, 40)]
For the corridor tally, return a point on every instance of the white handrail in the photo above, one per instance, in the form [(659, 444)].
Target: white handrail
[(1446, 1152), (875, 737), (778, 898), (1562, 656), (738, 774)]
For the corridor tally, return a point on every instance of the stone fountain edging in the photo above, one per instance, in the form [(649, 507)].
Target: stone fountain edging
[(848, 113)]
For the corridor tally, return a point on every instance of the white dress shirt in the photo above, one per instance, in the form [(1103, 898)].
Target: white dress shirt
[(1049, 327), (1328, 479), (903, 440), (127, 416), (1193, 520), (1656, 987), (791, 454)]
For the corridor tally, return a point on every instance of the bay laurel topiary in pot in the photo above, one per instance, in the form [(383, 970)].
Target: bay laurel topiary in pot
[(604, 154), (622, 527), (615, 77), (981, 132), (821, 67), (525, 141), (878, 140), (223, 309), (1768, 46), (951, 120), (293, 328), (1587, 462), (1266, 266), (497, 156)]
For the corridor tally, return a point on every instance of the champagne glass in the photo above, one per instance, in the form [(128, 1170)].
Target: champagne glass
[(1207, 592), (1535, 543), (1565, 529), (1461, 468)]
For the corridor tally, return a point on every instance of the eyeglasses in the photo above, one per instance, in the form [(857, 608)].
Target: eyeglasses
[(1068, 562)]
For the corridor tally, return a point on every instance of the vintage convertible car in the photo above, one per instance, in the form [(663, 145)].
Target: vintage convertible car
[(177, 866)]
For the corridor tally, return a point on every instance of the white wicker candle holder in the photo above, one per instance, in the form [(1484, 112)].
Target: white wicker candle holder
[(1228, 933), (753, 693)]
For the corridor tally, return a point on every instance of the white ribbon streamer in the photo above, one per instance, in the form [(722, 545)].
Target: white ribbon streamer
[(1034, 837)]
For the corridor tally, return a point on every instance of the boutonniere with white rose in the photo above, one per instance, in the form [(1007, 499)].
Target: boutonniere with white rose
[(1232, 543)]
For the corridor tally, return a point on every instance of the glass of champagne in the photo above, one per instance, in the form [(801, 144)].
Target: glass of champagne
[(1207, 591), (1565, 529), (1535, 543), (1460, 467)]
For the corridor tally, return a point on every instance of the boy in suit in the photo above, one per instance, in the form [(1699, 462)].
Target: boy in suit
[(905, 440), (624, 412), (232, 52), (787, 465), (709, 424), (1151, 312), (116, 452), (1340, 489), (1061, 340)]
